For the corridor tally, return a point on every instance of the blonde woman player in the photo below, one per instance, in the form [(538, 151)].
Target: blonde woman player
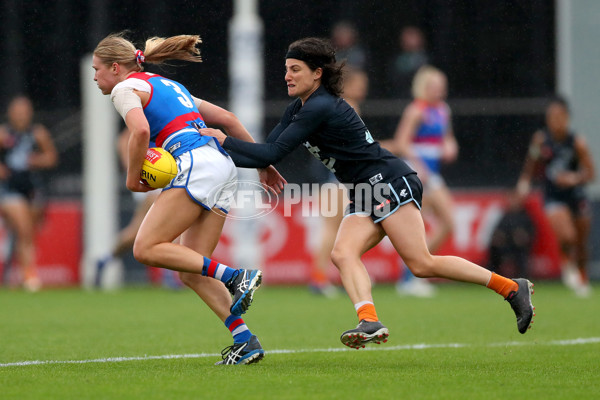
[(194, 205), (424, 137)]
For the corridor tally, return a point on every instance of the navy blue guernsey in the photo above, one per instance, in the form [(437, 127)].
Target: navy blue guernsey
[(332, 131), (560, 157)]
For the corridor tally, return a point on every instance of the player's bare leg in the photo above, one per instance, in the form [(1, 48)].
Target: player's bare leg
[(412, 247), (172, 213), (358, 234), (203, 237), (563, 226)]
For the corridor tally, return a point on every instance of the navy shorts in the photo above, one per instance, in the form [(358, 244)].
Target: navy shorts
[(382, 199)]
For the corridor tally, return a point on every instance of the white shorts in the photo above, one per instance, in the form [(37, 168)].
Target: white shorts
[(208, 176), (434, 181)]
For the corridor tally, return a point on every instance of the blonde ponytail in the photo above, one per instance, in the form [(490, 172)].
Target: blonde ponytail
[(115, 48), (182, 47)]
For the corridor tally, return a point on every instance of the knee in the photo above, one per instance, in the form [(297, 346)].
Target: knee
[(141, 252), (340, 257), (422, 268)]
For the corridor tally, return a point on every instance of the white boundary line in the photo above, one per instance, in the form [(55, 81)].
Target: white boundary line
[(418, 346)]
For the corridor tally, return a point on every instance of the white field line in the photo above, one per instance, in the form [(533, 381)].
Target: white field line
[(418, 346)]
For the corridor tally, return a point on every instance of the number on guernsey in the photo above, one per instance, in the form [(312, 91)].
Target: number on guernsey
[(183, 99), (368, 137)]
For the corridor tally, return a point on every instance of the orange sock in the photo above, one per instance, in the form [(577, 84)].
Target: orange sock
[(367, 312), (501, 285), (317, 276)]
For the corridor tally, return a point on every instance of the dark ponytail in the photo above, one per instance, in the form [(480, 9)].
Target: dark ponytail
[(319, 53)]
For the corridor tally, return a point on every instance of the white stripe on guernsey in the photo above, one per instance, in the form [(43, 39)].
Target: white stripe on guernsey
[(360, 304), (428, 150), (239, 329), (418, 346), (220, 270)]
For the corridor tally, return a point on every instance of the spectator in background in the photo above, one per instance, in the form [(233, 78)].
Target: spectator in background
[(567, 168), (511, 241), (424, 137), (404, 65), (345, 40), (356, 86), (25, 148)]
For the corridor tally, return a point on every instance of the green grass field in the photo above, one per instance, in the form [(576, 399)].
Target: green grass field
[(491, 360)]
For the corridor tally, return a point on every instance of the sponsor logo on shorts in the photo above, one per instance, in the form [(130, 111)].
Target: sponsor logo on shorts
[(174, 147), (375, 179), (403, 193)]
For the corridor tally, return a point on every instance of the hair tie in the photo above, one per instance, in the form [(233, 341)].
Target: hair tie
[(139, 57)]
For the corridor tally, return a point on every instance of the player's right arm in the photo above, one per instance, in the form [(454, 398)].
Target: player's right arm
[(404, 136), (129, 103), (215, 115), (139, 138), (533, 155)]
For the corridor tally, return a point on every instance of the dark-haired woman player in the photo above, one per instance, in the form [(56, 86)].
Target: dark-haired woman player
[(568, 167), (385, 193)]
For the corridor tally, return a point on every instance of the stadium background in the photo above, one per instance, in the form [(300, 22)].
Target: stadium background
[(500, 57)]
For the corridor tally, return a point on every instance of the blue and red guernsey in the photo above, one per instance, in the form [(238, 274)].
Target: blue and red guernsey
[(429, 139), (171, 112)]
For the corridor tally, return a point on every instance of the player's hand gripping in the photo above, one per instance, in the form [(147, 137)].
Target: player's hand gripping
[(271, 179)]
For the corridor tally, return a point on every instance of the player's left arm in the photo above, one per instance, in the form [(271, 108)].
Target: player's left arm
[(586, 171), (46, 156), (215, 115), (449, 145)]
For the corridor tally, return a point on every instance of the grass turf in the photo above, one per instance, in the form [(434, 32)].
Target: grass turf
[(79, 325)]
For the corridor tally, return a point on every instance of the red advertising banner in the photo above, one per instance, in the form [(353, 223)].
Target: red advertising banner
[(288, 242), (58, 244)]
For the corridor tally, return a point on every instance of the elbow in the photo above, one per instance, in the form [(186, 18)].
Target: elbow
[(52, 160), (227, 120), (140, 132)]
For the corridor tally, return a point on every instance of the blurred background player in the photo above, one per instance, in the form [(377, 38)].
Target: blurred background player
[(334, 197), (424, 137), (143, 201), (345, 39), (512, 241), (25, 148), (567, 168), (411, 55)]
